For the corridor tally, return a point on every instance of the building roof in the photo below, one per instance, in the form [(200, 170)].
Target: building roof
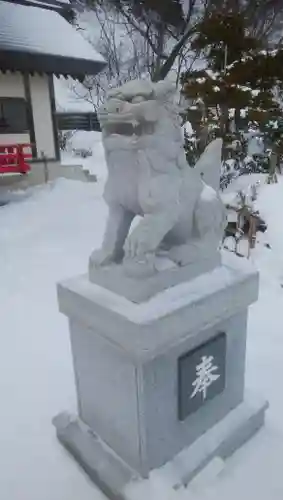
[(56, 5), (48, 2), (37, 40)]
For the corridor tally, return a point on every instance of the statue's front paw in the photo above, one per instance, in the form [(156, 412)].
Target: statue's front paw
[(139, 260), (140, 267), (137, 244), (100, 258), (183, 255)]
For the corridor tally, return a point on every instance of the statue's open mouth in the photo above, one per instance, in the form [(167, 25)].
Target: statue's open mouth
[(129, 129)]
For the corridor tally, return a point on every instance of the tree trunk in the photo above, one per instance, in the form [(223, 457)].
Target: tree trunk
[(224, 120), (160, 48), (164, 69), (237, 119)]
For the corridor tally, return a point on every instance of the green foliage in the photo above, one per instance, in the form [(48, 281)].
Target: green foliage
[(218, 30), (239, 73), (273, 130)]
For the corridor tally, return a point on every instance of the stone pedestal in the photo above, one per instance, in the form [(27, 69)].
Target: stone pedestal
[(160, 376)]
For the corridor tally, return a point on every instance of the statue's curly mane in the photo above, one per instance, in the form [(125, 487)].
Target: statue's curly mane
[(144, 118)]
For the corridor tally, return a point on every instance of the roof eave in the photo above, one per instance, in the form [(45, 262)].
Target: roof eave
[(28, 62)]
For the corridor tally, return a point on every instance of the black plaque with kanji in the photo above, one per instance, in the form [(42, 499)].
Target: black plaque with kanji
[(201, 375)]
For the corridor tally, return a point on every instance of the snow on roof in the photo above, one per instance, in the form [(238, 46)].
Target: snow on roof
[(39, 32), (42, 2)]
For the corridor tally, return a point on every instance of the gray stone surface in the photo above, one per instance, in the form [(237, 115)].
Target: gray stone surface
[(142, 289), (104, 467), (115, 478), (224, 438), (148, 176), (144, 330), (126, 359), (133, 407), (209, 164)]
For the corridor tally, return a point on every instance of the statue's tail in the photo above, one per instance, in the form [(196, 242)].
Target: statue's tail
[(209, 164)]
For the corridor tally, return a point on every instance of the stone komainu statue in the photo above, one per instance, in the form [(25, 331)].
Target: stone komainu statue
[(182, 218)]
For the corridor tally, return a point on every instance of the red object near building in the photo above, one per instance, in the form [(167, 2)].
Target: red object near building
[(13, 158)]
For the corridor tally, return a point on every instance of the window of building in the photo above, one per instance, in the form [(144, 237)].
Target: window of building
[(13, 115)]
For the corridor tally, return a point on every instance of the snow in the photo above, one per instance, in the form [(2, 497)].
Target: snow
[(242, 183), (42, 2), (96, 163), (212, 74), (187, 128), (37, 247), (42, 31), (243, 112), (46, 235)]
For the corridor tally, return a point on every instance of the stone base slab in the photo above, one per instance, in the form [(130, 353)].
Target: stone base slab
[(147, 328), (113, 476), (139, 290)]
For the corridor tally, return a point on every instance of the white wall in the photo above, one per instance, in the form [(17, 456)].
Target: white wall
[(12, 85), (14, 139), (42, 115)]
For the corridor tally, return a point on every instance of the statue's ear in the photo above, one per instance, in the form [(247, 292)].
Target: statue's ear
[(165, 89)]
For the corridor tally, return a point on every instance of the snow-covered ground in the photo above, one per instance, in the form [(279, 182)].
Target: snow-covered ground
[(95, 164), (46, 235)]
